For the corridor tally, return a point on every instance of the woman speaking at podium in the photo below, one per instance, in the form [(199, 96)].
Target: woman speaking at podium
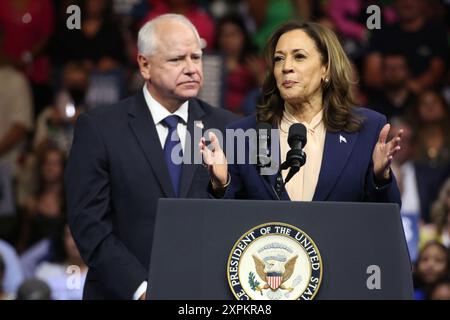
[(348, 152)]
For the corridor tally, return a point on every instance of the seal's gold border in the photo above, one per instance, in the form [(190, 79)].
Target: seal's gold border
[(281, 234)]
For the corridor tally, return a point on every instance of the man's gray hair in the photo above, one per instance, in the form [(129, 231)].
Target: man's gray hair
[(147, 37)]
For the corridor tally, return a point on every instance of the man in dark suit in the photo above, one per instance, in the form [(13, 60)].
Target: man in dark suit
[(419, 183), (123, 159)]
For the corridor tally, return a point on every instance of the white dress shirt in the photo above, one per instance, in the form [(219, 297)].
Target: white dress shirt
[(159, 113)]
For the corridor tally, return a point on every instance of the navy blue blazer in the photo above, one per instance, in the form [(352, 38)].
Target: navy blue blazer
[(115, 175), (346, 173)]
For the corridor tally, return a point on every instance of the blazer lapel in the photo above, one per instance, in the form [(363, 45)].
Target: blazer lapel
[(337, 149), (195, 113), (143, 127)]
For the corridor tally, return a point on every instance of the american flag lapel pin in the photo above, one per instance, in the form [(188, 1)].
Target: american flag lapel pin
[(199, 124)]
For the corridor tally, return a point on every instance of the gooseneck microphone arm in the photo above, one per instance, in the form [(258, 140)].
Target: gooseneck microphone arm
[(295, 158)]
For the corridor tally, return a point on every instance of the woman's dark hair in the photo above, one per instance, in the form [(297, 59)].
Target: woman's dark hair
[(440, 209), (41, 158), (248, 46), (337, 94), (440, 246)]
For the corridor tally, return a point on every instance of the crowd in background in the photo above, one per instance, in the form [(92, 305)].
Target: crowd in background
[(49, 74)]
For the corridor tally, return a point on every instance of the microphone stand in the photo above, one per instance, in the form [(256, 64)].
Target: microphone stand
[(295, 159)]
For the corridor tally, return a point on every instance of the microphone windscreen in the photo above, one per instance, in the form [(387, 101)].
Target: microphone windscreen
[(297, 132)]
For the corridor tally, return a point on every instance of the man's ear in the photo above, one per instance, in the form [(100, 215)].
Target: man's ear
[(144, 66)]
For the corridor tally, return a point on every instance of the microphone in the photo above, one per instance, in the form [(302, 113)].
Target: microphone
[(263, 141), (295, 157)]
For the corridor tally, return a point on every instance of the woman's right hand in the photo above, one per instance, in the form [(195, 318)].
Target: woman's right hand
[(214, 159)]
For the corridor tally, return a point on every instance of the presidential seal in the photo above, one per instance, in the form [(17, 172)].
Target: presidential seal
[(274, 261)]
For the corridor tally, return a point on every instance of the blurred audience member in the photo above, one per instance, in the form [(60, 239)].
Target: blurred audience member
[(55, 124), (16, 118), (360, 95), (221, 8), (421, 42), (409, 179), (28, 26), (66, 272), (190, 9), (394, 98), (267, 15), (350, 18), (245, 71), (13, 274), (433, 122), (438, 11), (439, 230), (15, 108), (441, 291), (99, 45), (418, 182), (44, 211), (34, 289), (251, 101), (431, 267)]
